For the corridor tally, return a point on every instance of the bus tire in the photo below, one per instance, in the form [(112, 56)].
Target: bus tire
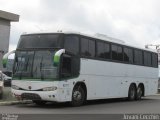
[(139, 93), (1, 92), (132, 92), (1, 95), (78, 96), (39, 102)]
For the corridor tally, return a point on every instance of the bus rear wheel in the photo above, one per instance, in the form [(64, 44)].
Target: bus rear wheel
[(39, 102), (132, 92), (1, 95), (78, 96), (1, 92), (139, 92)]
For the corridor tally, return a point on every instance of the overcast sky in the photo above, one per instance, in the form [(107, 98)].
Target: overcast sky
[(134, 21)]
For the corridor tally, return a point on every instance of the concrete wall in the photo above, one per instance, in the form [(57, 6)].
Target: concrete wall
[(4, 38)]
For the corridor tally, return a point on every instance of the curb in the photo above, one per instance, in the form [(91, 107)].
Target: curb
[(15, 102)]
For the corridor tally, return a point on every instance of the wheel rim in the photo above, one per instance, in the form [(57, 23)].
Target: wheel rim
[(139, 92), (77, 95)]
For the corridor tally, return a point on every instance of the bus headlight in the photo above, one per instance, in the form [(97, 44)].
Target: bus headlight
[(15, 87), (50, 88)]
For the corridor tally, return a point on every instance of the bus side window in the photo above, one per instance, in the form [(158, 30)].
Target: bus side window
[(66, 66), (138, 58), (87, 47), (103, 50), (128, 55), (154, 60), (147, 59), (71, 44), (117, 53), (70, 66)]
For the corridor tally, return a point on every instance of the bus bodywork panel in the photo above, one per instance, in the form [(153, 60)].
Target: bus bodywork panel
[(111, 79), (61, 94), (108, 80)]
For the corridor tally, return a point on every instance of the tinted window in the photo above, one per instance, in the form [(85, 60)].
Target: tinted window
[(128, 55), (138, 58), (103, 50), (154, 60), (70, 66), (39, 41), (147, 59), (43, 65), (117, 53), (114, 52), (87, 47), (84, 47), (120, 53), (91, 47), (71, 44)]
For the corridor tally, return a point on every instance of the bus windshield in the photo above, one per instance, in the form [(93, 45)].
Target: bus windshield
[(43, 40), (35, 65)]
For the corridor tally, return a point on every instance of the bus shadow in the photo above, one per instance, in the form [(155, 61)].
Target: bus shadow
[(115, 101), (51, 105)]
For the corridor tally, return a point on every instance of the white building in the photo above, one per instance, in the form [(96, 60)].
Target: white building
[(5, 19)]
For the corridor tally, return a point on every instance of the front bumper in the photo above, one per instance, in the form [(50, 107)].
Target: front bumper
[(37, 95)]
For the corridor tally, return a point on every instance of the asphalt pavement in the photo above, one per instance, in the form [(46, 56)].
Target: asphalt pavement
[(110, 109), (149, 104)]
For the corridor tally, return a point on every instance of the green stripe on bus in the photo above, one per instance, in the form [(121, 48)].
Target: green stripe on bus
[(56, 60)]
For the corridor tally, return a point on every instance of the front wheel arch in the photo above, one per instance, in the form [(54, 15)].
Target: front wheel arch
[(83, 89)]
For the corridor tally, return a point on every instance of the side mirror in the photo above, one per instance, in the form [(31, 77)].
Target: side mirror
[(5, 58), (56, 59)]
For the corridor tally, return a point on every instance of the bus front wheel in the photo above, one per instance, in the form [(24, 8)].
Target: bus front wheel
[(78, 96), (132, 92)]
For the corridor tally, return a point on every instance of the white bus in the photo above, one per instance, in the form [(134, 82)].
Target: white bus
[(72, 67)]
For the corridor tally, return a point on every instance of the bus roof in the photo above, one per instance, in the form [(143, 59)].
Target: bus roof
[(96, 36)]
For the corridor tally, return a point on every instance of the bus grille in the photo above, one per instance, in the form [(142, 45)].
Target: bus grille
[(30, 96)]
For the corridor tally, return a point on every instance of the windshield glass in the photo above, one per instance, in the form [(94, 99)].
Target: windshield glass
[(35, 65), (43, 40)]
